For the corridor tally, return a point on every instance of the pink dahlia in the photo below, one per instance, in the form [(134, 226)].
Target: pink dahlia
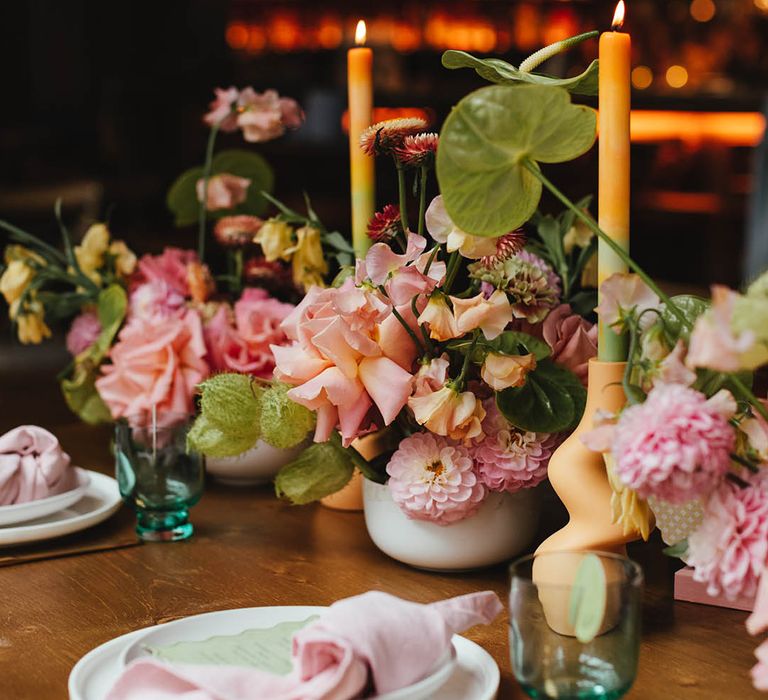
[(508, 459), (385, 224), (432, 478), (676, 446), (729, 550), (83, 332)]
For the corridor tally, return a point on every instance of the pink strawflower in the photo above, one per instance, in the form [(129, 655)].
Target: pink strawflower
[(433, 479), (387, 136), (675, 446), (508, 459), (83, 332), (260, 272), (169, 267), (573, 340), (417, 149), (264, 116), (155, 364), (507, 245), (729, 549), (224, 191), (155, 300), (385, 224), (236, 231), (223, 109)]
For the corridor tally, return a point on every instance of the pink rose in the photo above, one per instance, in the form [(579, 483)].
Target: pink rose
[(83, 332), (169, 267), (224, 191), (155, 300), (155, 364), (573, 340)]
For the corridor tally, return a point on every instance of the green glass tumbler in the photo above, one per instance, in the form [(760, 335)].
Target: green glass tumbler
[(549, 664), (158, 477)]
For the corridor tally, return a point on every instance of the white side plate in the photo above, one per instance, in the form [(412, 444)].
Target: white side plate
[(100, 501), (21, 512)]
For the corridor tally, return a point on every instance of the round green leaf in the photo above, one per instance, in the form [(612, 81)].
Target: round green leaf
[(589, 597), (485, 143)]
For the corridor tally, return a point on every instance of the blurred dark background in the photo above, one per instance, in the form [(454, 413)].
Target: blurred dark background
[(103, 104)]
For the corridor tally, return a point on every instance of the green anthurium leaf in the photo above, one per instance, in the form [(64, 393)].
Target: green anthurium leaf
[(691, 306), (589, 597), (319, 471), (82, 397), (495, 70), (551, 400), (486, 187), (182, 196)]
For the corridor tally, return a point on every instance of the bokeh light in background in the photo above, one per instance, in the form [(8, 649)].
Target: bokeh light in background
[(677, 76), (642, 77), (703, 10)]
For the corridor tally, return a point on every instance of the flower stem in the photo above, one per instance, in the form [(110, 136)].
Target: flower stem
[(431, 258), (204, 200), (403, 323), (453, 269), (744, 462), (746, 395), (424, 334), (401, 190), (362, 464), (422, 197), (593, 226), (460, 380)]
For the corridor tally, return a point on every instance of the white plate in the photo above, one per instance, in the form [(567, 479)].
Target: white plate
[(21, 512), (475, 675), (101, 499)]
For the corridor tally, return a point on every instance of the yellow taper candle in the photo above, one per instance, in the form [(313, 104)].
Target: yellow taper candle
[(613, 193), (360, 87)]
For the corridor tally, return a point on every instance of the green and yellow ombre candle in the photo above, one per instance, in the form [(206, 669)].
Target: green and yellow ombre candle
[(362, 177)]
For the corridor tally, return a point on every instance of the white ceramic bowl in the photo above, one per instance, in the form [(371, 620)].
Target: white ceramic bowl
[(503, 527), (22, 512), (259, 465)]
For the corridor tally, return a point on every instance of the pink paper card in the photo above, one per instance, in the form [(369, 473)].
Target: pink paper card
[(694, 592)]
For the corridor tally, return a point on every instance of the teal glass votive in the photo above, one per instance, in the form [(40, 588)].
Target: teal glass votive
[(158, 478), (547, 658)]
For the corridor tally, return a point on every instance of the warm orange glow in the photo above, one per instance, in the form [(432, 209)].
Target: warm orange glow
[(677, 76), (618, 16), (762, 5), (729, 128), (360, 33), (642, 77), (237, 35), (683, 202), (381, 114), (329, 34), (702, 10), (256, 39)]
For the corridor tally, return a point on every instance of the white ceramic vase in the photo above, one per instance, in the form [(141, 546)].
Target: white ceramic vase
[(259, 465), (502, 528)]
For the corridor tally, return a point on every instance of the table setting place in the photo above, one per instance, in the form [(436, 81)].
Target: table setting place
[(419, 457)]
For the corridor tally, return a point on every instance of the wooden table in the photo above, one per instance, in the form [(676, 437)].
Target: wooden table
[(251, 550)]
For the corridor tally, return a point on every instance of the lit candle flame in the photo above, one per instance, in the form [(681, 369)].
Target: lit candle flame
[(360, 33), (618, 16)]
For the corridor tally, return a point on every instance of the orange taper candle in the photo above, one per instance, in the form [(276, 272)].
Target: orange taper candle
[(360, 87), (613, 193)]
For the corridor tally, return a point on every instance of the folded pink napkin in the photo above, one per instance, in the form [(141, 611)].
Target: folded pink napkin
[(370, 644), (32, 466)]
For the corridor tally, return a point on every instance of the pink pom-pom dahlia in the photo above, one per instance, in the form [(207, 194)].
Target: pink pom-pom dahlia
[(508, 459), (729, 550), (431, 478), (676, 446)]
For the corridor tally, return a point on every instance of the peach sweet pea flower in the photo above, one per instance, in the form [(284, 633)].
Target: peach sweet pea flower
[(431, 376), (154, 364), (490, 315), (224, 191), (503, 371), (443, 230), (449, 413), (439, 317), (264, 116), (222, 112), (623, 293)]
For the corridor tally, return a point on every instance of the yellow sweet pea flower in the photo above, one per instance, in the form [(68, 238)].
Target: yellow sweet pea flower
[(15, 280), (629, 510), (308, 264), (578, 236), (589, 272), (125, 258), (90, 252), (276, 240), (30, 323)]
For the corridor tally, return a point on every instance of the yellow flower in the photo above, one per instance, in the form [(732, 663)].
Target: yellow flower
[(449, 413), (276, 239), (578, 236), (15, 280), (90, 252), (503, 371), (629, 510), (309, 266), (442, 324), (125, 258), (589, 272), (30, 322)]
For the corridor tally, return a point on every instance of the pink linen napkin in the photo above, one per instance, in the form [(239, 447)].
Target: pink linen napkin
[(32, 466), (373, 641)]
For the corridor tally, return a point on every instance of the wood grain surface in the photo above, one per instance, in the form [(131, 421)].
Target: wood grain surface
[(251, 550)]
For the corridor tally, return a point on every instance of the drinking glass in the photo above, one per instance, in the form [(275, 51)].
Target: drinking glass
[(555, 664), (158, 477)]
